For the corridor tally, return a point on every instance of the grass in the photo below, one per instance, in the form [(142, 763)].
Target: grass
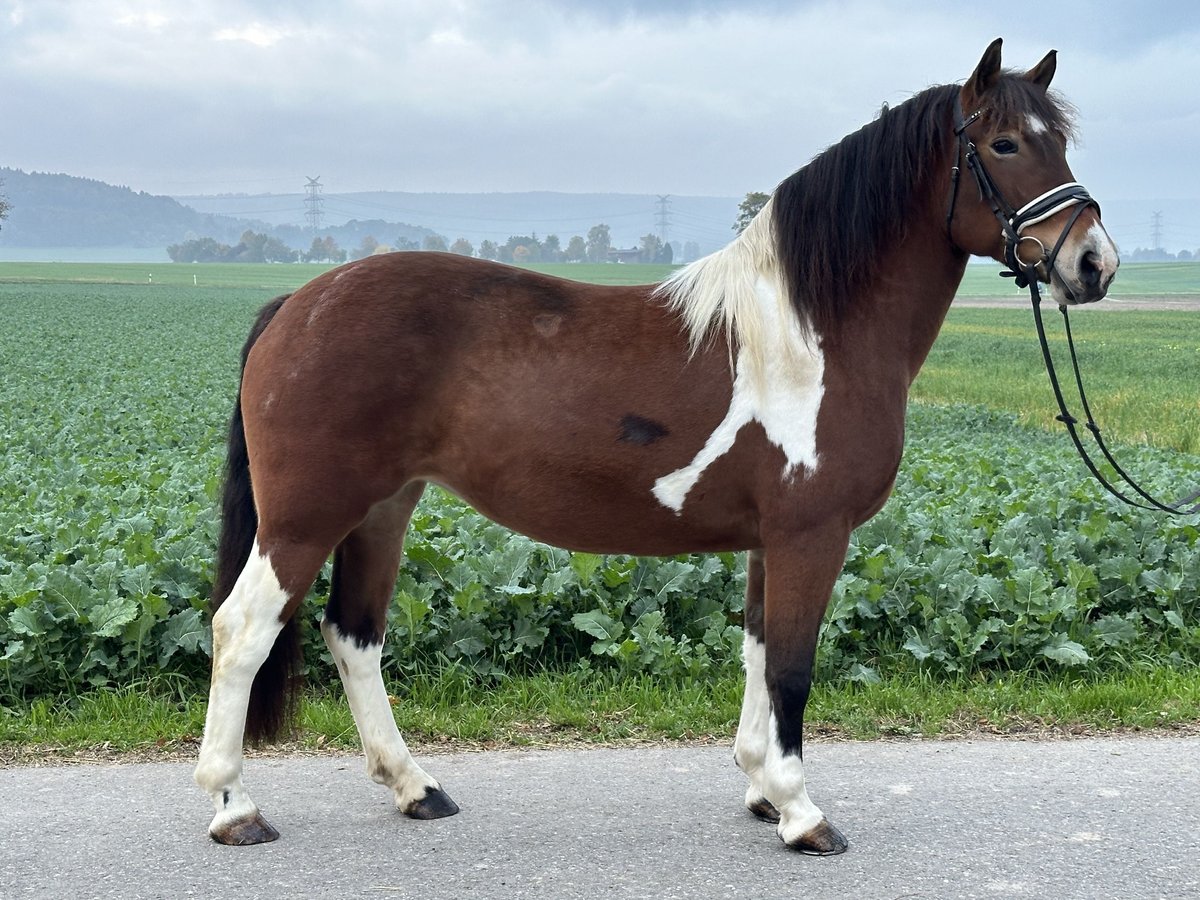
[(156, 721), (1141, 370)]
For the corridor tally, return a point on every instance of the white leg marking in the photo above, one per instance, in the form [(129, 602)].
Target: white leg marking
[(750, 745), (783, 394), (784, 784), (244, 629), (388, 761)]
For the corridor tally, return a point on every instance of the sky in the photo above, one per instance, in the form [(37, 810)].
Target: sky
[(673, 97)]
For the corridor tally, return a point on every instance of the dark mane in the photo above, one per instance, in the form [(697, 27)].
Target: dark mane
[(833, 217)]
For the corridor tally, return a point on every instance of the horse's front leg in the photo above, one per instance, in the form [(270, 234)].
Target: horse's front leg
[(800, 573)]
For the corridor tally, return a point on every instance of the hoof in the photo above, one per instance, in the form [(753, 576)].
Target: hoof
[(436, 804), (254, 830), (764, 809), (823, 840)]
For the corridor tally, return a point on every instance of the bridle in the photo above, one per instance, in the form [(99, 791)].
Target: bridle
[(1027, 274), (1014, 221)]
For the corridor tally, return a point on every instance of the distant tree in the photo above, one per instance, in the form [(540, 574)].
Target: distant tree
[(691, 251), (749, 208), (1184, 256), (249, 248), (200, 250), (462, 247), (666, 255), (325, 249), (434, 242), (5, 206), (651, 246), (367, 246), (403, 243), (529, 247), (551, 251), (488, 250), (599, 242), (275, 250), (576, 250)]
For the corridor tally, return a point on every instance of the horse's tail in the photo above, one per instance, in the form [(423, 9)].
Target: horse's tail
[(272, 696)]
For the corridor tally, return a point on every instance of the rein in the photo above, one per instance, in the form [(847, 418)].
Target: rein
[(1026, 274)]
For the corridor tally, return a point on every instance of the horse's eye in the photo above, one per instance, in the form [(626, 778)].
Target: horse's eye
[(1004, 146)]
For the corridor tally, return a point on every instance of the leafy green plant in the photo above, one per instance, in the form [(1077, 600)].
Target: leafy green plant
[(997, 554)]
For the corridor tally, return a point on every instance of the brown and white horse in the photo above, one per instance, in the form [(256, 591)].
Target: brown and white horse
[(755, 401)]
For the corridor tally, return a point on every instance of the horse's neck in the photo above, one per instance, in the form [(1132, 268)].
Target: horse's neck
[(910, 299)]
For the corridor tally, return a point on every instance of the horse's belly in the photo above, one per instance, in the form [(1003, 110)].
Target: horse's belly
[(586, 515)]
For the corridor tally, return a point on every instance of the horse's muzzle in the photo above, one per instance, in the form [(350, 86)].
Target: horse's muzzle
[(1085, 268)]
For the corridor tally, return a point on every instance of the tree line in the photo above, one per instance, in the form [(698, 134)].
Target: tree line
[(518, 249)]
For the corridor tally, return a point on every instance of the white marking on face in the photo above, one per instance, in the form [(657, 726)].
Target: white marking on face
[(388, 759), (1034, 124), (785, 399), (244, 630), (750, 745), (785, 788)]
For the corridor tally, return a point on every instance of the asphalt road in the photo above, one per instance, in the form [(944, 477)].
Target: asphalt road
[(1112, 817)]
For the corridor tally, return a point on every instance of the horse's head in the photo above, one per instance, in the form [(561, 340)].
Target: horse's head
[(1031, 214)]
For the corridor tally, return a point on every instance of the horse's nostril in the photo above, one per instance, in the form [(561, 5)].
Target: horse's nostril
[(1090, 269)]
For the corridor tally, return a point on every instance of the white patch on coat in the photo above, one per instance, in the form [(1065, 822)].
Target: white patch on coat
[(784, 786), (1034, 124), (750, 745), (388, 759), (781, 389), (244, 630)]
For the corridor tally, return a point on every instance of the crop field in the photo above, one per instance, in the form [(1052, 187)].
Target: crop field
[(981, 281), (997, 554)]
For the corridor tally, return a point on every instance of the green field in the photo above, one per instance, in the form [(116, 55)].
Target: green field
[(1141, 369), (981, 281), (997, 559)]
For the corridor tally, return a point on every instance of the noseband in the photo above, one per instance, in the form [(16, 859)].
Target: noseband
[(1014, 221), (1027, 273)]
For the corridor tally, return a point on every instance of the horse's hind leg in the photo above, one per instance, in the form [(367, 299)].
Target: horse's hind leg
[(364, 578), (244, 630), (750, 746)]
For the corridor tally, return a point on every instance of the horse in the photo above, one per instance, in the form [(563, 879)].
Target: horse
[(754, 401)]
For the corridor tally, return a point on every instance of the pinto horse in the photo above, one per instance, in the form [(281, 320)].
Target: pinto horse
[(754, 401)]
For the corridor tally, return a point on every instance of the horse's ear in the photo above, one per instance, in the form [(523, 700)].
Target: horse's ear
[(987, 71), (1043, 72)]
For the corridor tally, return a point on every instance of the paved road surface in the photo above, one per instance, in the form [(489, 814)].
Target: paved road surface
[(1081, 818)]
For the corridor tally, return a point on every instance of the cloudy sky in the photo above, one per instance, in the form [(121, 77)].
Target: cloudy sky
[(677, 96)]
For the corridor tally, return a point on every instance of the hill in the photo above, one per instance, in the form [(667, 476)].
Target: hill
[(705, 221), (51, 210), (81, 218)]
